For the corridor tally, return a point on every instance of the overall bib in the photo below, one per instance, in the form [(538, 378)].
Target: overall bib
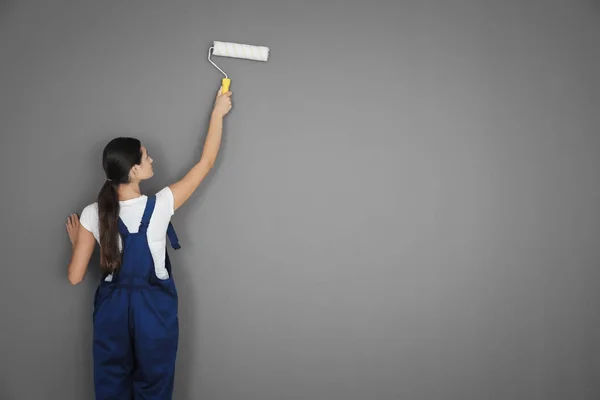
[(136, 326)]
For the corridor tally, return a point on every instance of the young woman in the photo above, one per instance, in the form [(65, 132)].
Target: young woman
[(136, 328)]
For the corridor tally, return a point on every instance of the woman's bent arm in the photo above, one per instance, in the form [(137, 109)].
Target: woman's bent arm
[(83, 243)]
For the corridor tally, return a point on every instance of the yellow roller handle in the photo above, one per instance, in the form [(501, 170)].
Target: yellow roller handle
[(225, 83)]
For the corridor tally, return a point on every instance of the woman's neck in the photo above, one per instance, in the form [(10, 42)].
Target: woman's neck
[(129, 191)]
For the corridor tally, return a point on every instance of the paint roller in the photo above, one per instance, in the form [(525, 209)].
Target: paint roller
[(236, 50)]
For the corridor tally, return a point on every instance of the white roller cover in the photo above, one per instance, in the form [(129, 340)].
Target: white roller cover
[(237, 50)]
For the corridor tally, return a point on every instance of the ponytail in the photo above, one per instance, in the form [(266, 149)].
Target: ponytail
[(108, 217), (118, 157)]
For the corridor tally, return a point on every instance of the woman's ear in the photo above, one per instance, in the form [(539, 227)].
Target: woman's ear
[(133, 172)]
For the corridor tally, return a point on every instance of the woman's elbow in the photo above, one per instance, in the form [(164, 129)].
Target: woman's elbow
[(208, 163), (74, 280)]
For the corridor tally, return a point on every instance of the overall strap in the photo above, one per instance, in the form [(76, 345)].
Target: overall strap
[(173, 237), (147, 213), (122, 228)]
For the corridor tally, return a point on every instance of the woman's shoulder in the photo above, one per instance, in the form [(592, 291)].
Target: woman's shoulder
[(89, 217), (164, 201), (165, 191), (90, 209)]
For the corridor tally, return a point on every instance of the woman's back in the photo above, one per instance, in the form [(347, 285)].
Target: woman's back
[(130, 212)]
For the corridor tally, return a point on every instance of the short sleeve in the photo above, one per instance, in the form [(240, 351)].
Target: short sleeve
[(165, 202), (89, 218)]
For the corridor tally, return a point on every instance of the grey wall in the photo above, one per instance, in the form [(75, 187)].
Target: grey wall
[(405, 206)]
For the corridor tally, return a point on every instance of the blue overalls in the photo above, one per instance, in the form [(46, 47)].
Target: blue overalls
[(136, 326)]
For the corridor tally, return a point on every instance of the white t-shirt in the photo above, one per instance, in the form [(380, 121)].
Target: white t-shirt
[(131, 212)]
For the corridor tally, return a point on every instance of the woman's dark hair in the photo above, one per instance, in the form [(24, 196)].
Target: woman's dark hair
[(118, 157)]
